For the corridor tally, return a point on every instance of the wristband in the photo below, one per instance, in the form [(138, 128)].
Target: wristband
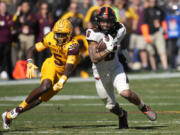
[(29, 60), (63, 79)]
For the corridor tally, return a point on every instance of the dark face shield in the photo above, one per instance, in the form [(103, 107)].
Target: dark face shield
[(61, 38)]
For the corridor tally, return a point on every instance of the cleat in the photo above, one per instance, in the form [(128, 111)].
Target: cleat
[(152, 115), (6, 121), (123, 123)]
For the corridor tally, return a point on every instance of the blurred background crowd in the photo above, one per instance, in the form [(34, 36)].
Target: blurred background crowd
[(152, 39)]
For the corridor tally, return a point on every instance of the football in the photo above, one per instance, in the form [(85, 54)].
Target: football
[(101, 45)]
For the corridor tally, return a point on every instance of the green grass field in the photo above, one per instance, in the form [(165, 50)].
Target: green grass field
[(77, 110)]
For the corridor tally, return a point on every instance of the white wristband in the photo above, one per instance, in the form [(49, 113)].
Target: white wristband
[(62, 80), (29, 60)]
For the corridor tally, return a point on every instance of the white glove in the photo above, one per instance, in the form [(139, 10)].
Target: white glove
[(126, 55), (109, 44)]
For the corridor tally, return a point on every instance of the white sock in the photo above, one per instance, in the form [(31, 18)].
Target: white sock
[(13, 114)]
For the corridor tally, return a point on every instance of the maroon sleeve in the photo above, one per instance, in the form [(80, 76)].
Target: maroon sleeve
[(73, 49)]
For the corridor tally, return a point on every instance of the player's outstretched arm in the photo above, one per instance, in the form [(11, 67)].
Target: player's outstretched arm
[(68, 70), (38, 47), (73, 53)]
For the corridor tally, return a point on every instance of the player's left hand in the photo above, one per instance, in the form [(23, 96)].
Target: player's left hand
[(30, 70), (59, 85)]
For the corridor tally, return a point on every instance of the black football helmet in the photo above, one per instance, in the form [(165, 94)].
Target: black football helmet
[(105, 14)]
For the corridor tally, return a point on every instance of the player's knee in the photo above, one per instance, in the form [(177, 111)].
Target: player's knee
[(125, 93), (44, 88), (46, 85)]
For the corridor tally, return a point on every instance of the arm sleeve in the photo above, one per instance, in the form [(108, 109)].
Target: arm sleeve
[(40, 46), (73, 52), (71, 59)]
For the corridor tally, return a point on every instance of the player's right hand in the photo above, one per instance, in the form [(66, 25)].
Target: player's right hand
[(58, 86), (109, 44), (30, 70)]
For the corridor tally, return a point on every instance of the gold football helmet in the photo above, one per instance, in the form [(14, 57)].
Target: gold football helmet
[(62, 31)]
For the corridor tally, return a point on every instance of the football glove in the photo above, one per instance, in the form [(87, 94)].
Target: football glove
[(109, 44), (59, 85), (30, 69)]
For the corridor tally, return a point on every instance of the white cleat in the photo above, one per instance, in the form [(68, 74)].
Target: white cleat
[(6, 121)]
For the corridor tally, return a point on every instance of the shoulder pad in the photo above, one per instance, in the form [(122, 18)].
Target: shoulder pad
[(93, 36), (48, 38), (73, 48), (48, 35)]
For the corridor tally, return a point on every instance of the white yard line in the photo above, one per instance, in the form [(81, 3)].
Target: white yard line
[(91, 79), (145, 123), (70, 97), (100, 104), (93, 132)]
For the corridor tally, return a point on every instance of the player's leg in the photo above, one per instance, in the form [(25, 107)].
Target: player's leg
[(30, 102), (107, 96), (44, 87), (122, 85), (47, 80), (32, 105)]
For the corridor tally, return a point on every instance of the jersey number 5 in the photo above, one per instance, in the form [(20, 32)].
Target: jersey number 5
[(57, 60)]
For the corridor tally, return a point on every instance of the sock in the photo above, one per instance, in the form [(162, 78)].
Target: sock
[(14, 113), (23, 104), (141, 105), (117, 110)]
